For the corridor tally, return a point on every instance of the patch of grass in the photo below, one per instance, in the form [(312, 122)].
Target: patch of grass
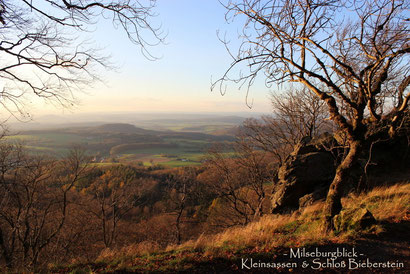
[(171, 157), (21, 138), (58, 139), (175, 163), (186, 142), (104, 164), (385, 203)]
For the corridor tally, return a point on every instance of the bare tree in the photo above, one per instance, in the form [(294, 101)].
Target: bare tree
[(301, 113), (41, 56), (184, 191), (112, 196), (240, 181), (296, 114), (352, 54), (256, 172), (34, 202)]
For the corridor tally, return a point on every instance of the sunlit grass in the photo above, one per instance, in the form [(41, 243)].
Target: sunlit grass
[(385, 203)]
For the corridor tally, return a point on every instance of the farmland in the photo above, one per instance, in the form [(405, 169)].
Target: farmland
[(125, 143)]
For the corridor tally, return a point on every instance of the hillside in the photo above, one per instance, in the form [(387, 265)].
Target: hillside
[(269, 242), (119, 128)]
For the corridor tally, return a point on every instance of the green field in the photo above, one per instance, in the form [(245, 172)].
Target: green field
[(49, 139), (201, 126), (180, 156)]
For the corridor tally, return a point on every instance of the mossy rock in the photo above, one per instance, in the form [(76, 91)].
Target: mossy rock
[(354, 219)]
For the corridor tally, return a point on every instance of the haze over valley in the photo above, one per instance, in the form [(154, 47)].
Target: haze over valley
[(170, 139)]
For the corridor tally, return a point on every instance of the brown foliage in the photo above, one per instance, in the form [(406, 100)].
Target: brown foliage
[(35, 197)]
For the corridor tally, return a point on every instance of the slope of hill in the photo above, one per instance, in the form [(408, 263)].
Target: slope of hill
[(119, 128), (283, 243)]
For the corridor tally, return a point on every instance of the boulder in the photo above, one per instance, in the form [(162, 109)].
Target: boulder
[(310, 198), (308, 169), (354, 219)]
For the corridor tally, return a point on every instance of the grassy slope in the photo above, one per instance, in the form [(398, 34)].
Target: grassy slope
[(272, 236)]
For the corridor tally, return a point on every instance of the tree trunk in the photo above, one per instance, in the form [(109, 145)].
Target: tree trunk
[(178, 223), (259, 208), (6, 255), (333, 201)]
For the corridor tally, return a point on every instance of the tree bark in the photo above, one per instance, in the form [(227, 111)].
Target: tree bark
[(178, 224), (333, 204), (6, 255)]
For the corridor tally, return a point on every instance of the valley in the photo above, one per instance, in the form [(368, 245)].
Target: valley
[(170, 143)]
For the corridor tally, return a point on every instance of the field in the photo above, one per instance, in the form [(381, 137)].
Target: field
[(124, 143)]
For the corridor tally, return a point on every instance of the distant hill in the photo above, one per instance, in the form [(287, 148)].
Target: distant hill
[(119, 128), (83, 129), (209, 120)]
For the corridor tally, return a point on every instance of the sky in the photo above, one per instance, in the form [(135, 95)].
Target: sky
[(180, 80)]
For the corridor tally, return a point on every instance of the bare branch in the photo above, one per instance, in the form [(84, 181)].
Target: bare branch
[(41, 56)]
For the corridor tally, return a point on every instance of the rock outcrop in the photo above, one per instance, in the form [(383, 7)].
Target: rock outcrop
[(306, 174), (308, 171)]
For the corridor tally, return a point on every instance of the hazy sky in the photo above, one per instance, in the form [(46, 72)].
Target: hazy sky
[(181, 79)]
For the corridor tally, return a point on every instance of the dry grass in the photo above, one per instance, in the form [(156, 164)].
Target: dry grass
[(386, 203), (299, 229), (140, 249), (303, 228)]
